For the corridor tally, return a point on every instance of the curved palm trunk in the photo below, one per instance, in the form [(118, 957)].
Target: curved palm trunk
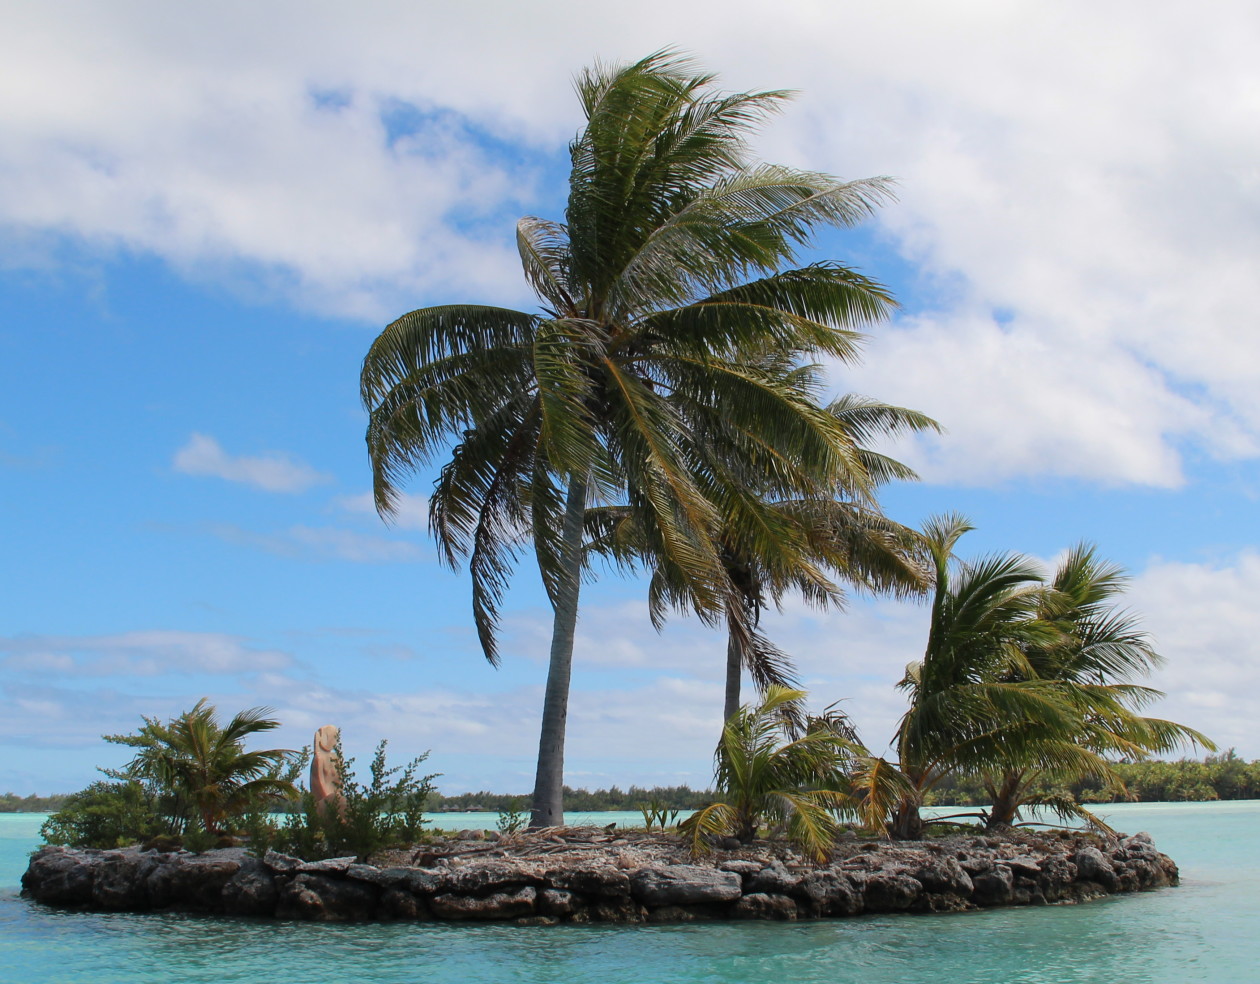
[(548, 804)]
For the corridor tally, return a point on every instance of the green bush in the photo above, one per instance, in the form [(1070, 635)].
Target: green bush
[(387, 812), (105, 815)]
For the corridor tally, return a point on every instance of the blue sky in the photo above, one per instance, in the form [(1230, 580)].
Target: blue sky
[(206, 215)]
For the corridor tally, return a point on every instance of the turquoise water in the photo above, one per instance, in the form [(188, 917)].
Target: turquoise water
[(1204, 931)]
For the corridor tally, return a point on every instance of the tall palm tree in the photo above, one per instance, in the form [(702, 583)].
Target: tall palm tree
[(668, 319), (204, 765)]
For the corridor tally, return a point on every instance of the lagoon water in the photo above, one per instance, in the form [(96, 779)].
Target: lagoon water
[(1207, 930)]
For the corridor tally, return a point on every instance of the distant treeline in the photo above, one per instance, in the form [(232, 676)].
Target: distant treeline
[(577, 800), (13, 803), (1217, 777)]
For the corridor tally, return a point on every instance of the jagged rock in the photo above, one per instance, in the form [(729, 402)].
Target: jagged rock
[(763, 905), (251, 891), (742, 868), (320, 898), (398, 904), (1092, 865), (497, 905), (832, 893), (589, 879), (773, 879), (557, 902), (685, 913), (59, 876), (683, 884), (994, 885), (329, 866), (890, 892), (281, 863), (489, 876), (944, 876), (121, 880), (612, 911), (193, 881), (1024, 867)]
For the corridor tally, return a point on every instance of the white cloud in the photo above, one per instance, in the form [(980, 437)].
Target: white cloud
[(138, 654), (325, 543), (412, 512), (1086, 170), (272, 472)]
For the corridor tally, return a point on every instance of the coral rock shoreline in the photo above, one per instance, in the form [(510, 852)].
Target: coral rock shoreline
[(576, 875)]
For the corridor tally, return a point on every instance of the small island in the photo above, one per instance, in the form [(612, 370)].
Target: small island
[(591, 875)]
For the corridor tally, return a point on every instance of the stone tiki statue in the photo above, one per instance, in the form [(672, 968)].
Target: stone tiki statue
[(325, 777)]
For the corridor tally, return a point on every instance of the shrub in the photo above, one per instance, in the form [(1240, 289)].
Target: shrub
[(387, 812), (105, 815)]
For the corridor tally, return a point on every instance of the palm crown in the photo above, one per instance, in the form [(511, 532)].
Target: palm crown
[(670, 339)]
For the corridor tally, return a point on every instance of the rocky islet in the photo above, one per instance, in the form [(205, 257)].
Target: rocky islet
[(571, 875)]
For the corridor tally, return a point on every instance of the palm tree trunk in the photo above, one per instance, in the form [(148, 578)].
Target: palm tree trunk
[(548, 805), (734, 667), (1005, 800)]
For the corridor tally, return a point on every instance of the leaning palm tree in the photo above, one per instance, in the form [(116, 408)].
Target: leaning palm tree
[(763, 775), (972, 700), (669, 318), (204, 766), (802, 545), (1101, 650)]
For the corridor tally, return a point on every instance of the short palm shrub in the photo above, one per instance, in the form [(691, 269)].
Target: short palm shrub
[(766, 776)]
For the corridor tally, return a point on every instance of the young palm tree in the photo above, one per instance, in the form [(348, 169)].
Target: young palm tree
[(765, 777), (667, 321), (1102, 649), (204, 766), (972, 700)]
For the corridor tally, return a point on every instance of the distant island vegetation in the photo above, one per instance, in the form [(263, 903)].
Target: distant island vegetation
[(1215, 777)]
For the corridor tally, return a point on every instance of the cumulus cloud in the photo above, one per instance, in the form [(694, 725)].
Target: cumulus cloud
[(142, 653), (271, 472)]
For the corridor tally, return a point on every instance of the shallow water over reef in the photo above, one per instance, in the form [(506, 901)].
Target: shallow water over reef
[(1203, 931)]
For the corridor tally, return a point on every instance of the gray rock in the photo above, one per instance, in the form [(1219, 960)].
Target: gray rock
[(743, 868), (319, 898), (773, 879), (993, 886), (832, 893), (497, 905), (589, 879), (398, 904), (192, 881), (1092, 865), (251, 891), (944, 876), (489, 876), (281, 862), (329, 866), (121, 880), (682, 884), (890, 892), (762, 905), (557, 902), (59, 876)]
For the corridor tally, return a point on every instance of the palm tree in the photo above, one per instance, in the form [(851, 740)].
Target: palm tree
[(204, 766), (668, 321), (765, 776), (788, 545), (1103, 647), (972, 699)]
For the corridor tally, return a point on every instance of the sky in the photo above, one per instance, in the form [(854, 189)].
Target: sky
[(207, 212)]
